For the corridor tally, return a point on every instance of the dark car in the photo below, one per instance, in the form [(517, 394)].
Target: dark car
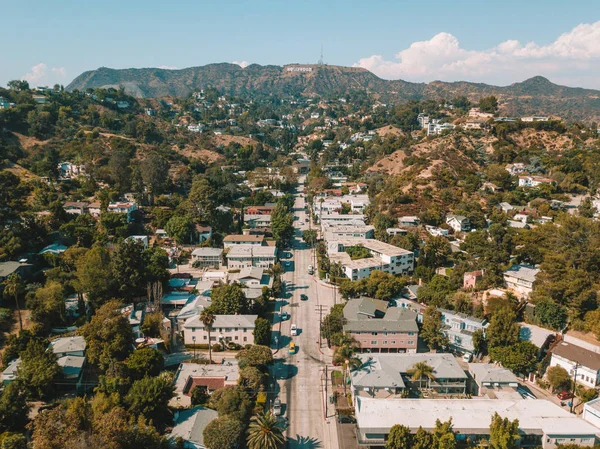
[(346, 419), (303, 297), (564, 395)]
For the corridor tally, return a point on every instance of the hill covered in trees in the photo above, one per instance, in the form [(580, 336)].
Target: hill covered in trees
[(533, 96)]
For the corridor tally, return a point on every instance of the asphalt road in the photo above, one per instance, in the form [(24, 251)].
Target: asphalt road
[(301, 376)]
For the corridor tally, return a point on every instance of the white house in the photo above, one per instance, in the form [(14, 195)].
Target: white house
[(241, 256), (516, 168), (434, 230), (207, 257), (226, 328), (189, 425), (237, 239), (533, 181), (520, 279), (459, 223), (579, 362)]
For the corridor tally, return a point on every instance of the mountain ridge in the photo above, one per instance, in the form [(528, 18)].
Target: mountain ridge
[(536, 95)]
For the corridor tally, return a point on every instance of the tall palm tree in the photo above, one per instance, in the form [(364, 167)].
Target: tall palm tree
[(265, 432), (208, 319), (420, 370), (13, 286)]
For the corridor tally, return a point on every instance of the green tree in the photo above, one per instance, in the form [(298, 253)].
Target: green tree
[(479, 342), (559, 378), (229, 299), (232, 401), (225, 432), (586, 208), (47, 305), (94, 275), (333, 323), (251, 378), (262, 332), (435, 253), (488, 104), (13, 286), (443, 435), (504, 434), (38, 370), (149, 397), (14, 410), (256, 355), (310, 237), (144, 362), (128, 269), (152, 324), (550, 314), (155, 173), (14, 441), (436, 291), (208, 319), (520, 358), (422, 439), (108, 336), (199, 396), (265, 432), (201, 199), (282, 225), (503, 329), (399, 438), (419, 371), (432, 332), (181, 229)]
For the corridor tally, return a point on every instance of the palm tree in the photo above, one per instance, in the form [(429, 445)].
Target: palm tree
[(420, 370), (265, 432), (13, 287), (208, 320)]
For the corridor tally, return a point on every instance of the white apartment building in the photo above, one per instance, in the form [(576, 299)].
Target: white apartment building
[(236, 239), (520, 279), (333, 231), (207, 257), (533, 181), (243, 256), (386, 258), (236, 328)]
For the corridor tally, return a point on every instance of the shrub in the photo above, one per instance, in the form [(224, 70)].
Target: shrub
[(217, 347)]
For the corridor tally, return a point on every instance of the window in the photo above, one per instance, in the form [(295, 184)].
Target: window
[(393, 342), (385, 342), (236, 338), (411, 342), (228, 329), (206, 337), (373, 342), (244, 329), (374, 333), (213, 338), (245, 338)]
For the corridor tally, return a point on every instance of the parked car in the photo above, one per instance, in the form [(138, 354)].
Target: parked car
[(303, 297), (292, 349), (285, 316), (277, 407), (294, 330), (346, 419), (564, 395), (467, 357)]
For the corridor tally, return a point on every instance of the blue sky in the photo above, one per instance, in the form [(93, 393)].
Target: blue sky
[(498, 42)]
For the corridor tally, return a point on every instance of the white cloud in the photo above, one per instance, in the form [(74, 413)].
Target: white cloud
[(168, 67), (242, 64), (40, 75), (573, 58)]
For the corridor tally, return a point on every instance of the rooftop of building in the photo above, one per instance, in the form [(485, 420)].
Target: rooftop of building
[(584, 357)]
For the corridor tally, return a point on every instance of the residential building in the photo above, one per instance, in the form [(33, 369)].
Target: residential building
[(10, 372), (241, 256), (434, 230), (541, 422), (520, 279), (534, 181), (336, 218), (384, 257), (10, 267), (144, 240), (408, 221), (395, 231), (236, 239), (459, 223), (516, 168), (189, 426), (95, 208), (378, 328), (490, 378), (70, 353), (204, 233), (435, 127), (383, 376), (540, 337), (4, 103), (207, 377), (69, 170), (423, 120), (76, 207), (535, 119), (579, 362), (207, 257), (226, 328), (471, 278), (591, 412), (333, 231), (54, 248), (257, 221), (476, 113), (259, 210), (459, 329)]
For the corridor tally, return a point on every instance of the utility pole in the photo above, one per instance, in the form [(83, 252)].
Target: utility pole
[(574, 387), (326, 397), (319, 309)]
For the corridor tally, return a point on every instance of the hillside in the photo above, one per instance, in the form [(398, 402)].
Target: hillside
[(533, 96)]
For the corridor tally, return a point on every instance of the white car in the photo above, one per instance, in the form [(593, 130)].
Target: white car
[(294, 330), (467, 357)]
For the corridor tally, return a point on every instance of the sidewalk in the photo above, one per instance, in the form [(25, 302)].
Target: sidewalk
[(330, 430)]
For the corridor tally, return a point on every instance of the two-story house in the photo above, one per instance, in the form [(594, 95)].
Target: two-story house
[(459, 223), (520, 279), (236, 239), (242, 256), (207, 257), (580, 363), (459, 329), (235, 328), (378, 328)]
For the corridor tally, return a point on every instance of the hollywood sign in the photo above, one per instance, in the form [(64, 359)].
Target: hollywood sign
[(299, 69)]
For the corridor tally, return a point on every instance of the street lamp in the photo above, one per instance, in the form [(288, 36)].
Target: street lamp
[(194, 341)]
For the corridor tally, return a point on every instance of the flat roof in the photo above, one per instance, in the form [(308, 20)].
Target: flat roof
[(243, 238), (232, 321), (522, 272), (228, 369), (468, 415), (207, 252), (373, 245), (252, 251)]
